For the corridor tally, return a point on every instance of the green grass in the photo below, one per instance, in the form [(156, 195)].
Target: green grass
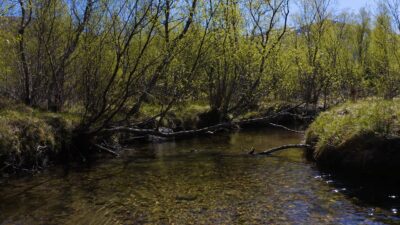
[(28, 136), (342, 123), (363, 136)]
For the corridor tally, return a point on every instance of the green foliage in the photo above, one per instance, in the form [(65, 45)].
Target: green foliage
[(233, 55), (385, 52)]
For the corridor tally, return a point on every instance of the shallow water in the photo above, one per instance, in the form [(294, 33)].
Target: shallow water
[(197, 181)]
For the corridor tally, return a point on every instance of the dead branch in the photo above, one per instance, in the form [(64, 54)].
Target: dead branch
[(205, 130), (283, 147), (286, 128), (170, 134), (106, 150)]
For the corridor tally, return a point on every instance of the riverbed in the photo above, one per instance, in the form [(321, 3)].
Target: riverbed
[(207, 180)]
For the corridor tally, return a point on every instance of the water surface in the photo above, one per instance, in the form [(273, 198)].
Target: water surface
[(198, 181)]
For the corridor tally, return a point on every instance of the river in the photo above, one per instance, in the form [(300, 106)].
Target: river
[(208, 180)]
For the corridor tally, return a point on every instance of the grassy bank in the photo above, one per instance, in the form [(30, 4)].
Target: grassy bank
[(358, 137), (30, 139)]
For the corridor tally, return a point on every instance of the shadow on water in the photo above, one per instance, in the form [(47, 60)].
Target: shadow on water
[(204, 181), (383, 194)]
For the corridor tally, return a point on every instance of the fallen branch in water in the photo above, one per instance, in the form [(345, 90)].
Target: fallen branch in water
[(286, 128), (167, 134), (106, 150), (205, 130), (283, 147)]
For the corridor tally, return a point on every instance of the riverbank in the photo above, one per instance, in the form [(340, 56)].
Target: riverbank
[(32, 139), (358, 138)]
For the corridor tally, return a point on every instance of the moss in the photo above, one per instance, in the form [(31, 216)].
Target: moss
[(29, 138), (363, 137)]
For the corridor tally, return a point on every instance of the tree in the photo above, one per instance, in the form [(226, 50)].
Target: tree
[(385, 56), (26, 18), (361, 56), (245, 35), (312, 21)]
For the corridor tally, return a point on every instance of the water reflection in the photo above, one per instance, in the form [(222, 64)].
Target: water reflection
[(199, 181)]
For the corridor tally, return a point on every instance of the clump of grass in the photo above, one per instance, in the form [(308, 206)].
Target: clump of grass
[(336, 126), (29, 137), (356, 134)]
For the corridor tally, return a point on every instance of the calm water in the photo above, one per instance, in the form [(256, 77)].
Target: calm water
[(198, 181)]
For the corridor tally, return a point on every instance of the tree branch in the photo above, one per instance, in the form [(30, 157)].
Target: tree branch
[(283, 147)]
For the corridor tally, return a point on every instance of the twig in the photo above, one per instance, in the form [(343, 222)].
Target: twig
[(252, 151), (283, 147), (286, 128), (107, 150)]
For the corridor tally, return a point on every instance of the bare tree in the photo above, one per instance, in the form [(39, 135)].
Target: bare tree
[(394, 9), (26, 18), (136, 70), (44, 65), (59, 62), (128, 20)]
